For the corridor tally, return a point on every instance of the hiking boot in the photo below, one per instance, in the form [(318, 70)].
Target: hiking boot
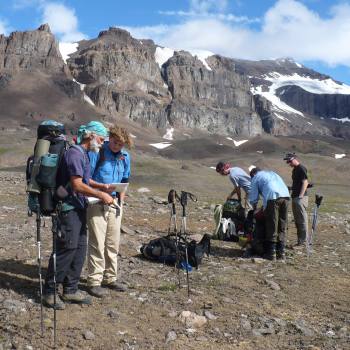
[(49, 301), (280, 254), (270, 251), (117, 286), (97, 291), (79, 297)]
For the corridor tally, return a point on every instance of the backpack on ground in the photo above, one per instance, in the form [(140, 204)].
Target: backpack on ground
[(164, 250), (42, 167), (229, 218)]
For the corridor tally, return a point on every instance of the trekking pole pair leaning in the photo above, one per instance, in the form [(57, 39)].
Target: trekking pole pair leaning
[(182, 234)]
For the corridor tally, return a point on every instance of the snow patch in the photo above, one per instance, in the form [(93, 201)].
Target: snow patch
[(162, 54), (342, 120), (88, 100), (339, 156), (169, 134), (238, 143), (315, 86), (66, 49), (213, 167), (277, 104), (133, 136), (229, 138), (309, 123), (160, 145), (260, 152), (202, 55), (82, 86)]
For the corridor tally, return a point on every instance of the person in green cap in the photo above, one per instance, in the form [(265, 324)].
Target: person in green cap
[(74, 174)]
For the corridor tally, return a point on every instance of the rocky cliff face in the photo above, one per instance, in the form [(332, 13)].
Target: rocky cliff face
[(122, 76), (37, 49), (35, 83), (157, 87), (322, 105)]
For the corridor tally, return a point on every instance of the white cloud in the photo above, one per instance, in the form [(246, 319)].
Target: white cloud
[(21, 4), (205, 6), (210, 9), (4, 27), (288, 29), (62, 21)]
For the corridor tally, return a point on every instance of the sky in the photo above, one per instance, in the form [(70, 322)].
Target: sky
[(313, 32)]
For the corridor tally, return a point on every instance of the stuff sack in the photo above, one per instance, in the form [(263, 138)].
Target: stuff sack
[(229, 218), (42, 167), (254, 228), (163, 250), (233, 209)]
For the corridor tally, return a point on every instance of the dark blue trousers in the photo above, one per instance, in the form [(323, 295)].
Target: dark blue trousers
[(71, 243)]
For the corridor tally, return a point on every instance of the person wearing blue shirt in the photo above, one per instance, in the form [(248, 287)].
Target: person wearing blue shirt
[(275, 198), (110, 165), (239, 178)]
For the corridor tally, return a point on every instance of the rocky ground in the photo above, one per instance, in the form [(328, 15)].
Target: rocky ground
[(234, 302)]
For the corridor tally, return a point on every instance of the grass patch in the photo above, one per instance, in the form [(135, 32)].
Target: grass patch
[(169, 287), (3, 150)]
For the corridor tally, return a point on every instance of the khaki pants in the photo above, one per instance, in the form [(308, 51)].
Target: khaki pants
[(299, 207), (104, 237)]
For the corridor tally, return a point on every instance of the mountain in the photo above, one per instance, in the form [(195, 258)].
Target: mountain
[(118, 77), (35, 82), (291, 96)]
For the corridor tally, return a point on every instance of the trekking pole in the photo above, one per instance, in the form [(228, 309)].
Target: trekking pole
[(172, 197), (183, 201), (54, 236), (310, 237), (38, 241)]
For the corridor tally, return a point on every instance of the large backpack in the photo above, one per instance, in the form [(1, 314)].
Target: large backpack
[(164, 250), (42, 167)]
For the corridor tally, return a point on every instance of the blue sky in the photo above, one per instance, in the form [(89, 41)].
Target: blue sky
[(313, 32)]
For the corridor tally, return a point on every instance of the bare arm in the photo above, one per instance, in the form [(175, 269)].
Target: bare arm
[(236, 190), (303, 188), (98, 185), (79, 186)]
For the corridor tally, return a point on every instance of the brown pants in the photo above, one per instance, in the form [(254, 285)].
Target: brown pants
[(276, 219)]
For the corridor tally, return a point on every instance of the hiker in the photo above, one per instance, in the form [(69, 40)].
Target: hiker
[(73, 174), (275, 197), (239, 178), (299, 196), (110, 165)]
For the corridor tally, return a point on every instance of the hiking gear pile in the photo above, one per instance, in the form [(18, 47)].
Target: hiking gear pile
[(175, 249)]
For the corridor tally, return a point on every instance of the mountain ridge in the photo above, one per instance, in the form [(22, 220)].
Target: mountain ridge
[(121, 77)]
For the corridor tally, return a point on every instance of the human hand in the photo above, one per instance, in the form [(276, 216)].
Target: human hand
[(108, 188), (106, 198)]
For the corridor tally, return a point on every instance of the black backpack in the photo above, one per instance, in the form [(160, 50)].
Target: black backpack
[(41, 168), (164, 250)]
